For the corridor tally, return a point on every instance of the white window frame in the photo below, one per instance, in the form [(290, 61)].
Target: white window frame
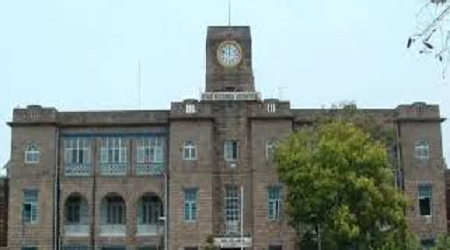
[(271, 107), (33, 202), (150, 150), (77, 151), (190, 204), (189, 150), (232, 206), (190, 108), (274, 203), (429, 196), (32, 154), (228, 150), (113, 150), (422, 150), (270, 145)]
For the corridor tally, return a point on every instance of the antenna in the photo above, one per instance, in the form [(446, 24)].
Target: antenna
[(139, 84), (229, 12)]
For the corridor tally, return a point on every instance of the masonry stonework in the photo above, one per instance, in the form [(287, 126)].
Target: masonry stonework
[(122, 200)]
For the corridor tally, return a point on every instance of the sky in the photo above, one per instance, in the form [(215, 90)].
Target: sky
[(84, 54)]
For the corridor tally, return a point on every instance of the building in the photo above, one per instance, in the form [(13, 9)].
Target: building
[(102, 180), (4, 186)]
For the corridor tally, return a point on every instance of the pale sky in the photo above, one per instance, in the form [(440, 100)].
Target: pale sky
[(83, 55)]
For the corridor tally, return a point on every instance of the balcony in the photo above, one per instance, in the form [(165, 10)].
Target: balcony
[(149, 169), (150, 229), (113, 169), (77, 230), (113, 230), (78, 170)]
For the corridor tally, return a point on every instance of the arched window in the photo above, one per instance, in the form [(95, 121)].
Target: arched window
[(150, 211), (113, 215), (76, 216), (422, 149), (189, 150), (32, 154)]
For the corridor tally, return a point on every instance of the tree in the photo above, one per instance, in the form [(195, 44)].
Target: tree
[(210, 244), (442, 242), (340, 180)]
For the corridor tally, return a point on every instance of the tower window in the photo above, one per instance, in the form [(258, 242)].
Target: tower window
[(29, 206), (231, 150), (425, 194), (32, 154), (274, 202), (270, 146), (190, 108), (189, 151), (422, 150)]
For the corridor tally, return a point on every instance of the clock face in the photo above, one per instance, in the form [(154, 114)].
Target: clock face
[(229, 54)]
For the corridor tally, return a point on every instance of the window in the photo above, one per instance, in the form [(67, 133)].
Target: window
[(150, 150), (73, 210), (75, 248), (114, 248), (32, 154), (148, 248), (113, 150), (113, 211), (427, 244), (190, 204), (29, 206), (425, 194), (270, 146), (190, 108), (274, 202), (189, 151), (422, 150), (231, 150), (275, 247), (151, 210), (271, 108), (232, 209), (77, 152)]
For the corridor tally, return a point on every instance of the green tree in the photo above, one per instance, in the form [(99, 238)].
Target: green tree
[(339, 179), (442, 242), (210, 244)]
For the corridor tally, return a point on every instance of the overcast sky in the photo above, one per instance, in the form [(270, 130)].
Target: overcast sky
[(83, 55)]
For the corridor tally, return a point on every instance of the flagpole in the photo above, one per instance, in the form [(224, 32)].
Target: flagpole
[(242, 217)]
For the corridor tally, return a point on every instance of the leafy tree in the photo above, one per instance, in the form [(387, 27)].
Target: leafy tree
[(442, 242), (210, 244), (339, 179)]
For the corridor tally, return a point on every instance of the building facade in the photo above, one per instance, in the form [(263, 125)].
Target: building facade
[(173, 178)]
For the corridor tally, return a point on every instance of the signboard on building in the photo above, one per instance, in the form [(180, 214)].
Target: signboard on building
[(231, 96), (233, 242)]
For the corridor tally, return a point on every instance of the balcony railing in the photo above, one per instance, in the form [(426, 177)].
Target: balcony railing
[(113, 230), (150, 229), (149, 169), (113, 169), (78, 170), (77, 230)]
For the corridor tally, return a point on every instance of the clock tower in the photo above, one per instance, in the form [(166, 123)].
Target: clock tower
[(229, 59)]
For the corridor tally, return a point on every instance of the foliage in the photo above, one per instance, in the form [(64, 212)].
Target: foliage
[(338, 177), (442, 242), (210, 244)]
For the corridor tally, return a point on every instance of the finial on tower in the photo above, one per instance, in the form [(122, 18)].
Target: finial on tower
[(229, 12)]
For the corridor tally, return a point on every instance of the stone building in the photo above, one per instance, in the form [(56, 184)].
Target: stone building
[(103, 180)]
